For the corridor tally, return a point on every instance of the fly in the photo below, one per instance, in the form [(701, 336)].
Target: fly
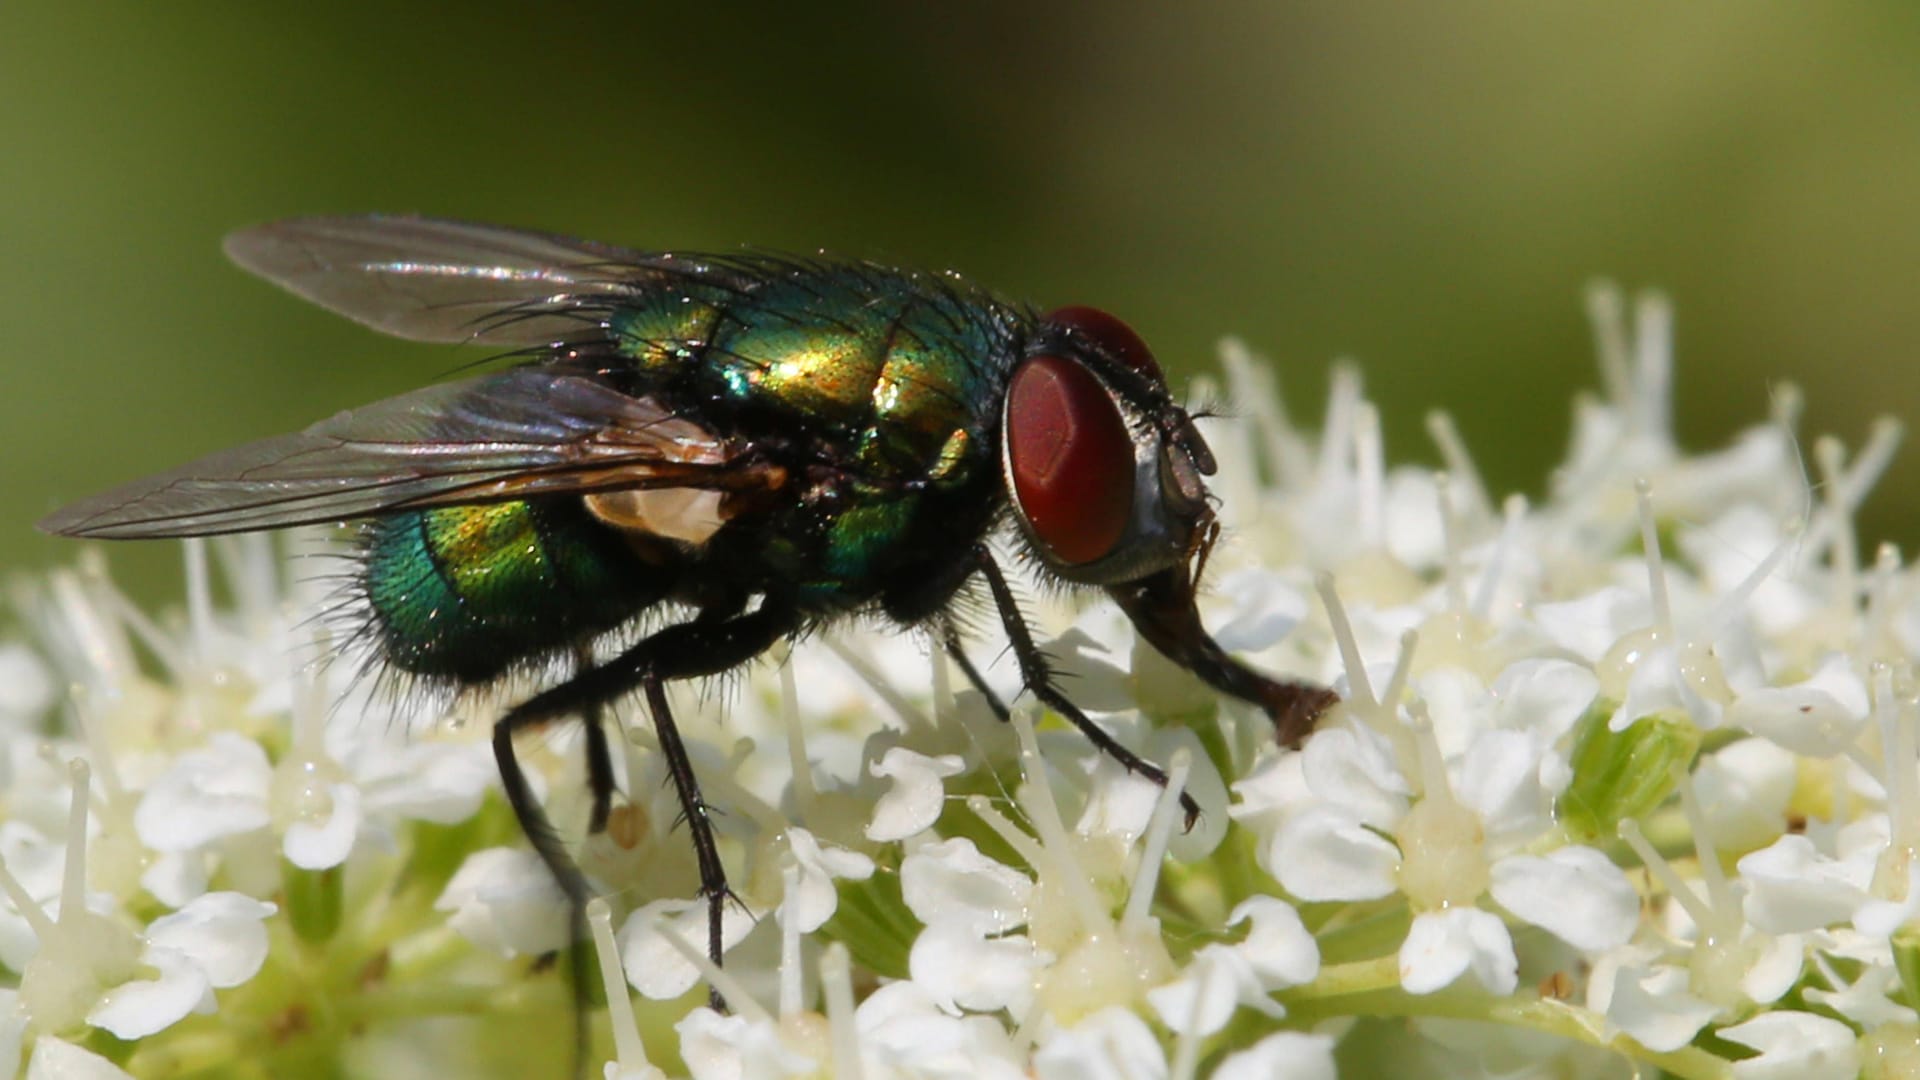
[(771, 444)]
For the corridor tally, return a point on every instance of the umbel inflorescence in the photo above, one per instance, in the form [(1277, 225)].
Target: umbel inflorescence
[(1630, 777)]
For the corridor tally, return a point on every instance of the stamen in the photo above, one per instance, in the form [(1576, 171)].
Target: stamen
[(1432, 764), (1734, 602), (1884, 597), (1656, 570), (1658, 866), (1153, 852), (1255, 388), (1186, 1045), (73, 877), (1044, 813), (1719, 893), (199, 601), (1653, 351), (629, 1051), (1843, 555), (250, 567), (1449, 545), (836, 985), (944, 706), (1784, 407), (1606, 310), (1337, 440), (1456, 460), (1844, 489), (1900, 746), (790, 981), (909, 713), (1359, 691), (1369, 473), (1513, 512), (1402, 670), (1883, 438), (310, 706), (804, 793), (1022, 843)]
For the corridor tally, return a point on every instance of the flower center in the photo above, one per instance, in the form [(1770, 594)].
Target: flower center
[(1443, 859)]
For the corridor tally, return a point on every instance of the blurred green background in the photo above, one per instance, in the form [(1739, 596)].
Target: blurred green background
[(1426, 188)]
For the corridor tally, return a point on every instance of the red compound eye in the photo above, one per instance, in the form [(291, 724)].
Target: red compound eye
[(1070, 458), (1109, 335)]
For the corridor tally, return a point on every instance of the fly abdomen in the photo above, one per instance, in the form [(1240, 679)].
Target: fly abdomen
[(467, 592)]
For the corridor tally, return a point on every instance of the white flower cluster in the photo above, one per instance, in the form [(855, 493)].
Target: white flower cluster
[(1629, 778)]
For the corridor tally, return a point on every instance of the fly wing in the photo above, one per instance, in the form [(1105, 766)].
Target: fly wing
[(450, 281), (509, 435)]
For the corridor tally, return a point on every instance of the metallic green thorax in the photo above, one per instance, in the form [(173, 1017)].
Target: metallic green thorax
[(877, 391)]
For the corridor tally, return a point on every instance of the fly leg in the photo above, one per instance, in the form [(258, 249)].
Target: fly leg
[(599, 772), (683, 651), (699, 819), (1036, 673), (599, 756)]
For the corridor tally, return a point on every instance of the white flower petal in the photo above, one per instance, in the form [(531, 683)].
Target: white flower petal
[(1743, 791), (174, 878), (1775, 969), (960, 970), (1265, 608), (1546, 697), (1112, 1044), (1795, 1046), (1655, 1007), (222, 932), (138, 1008), (217, 791), (902, 1028), (1272, 790), (439, 782), (1791, 887), (1443, 945), (1575, 893), (951, 882), (1353, 768), (57, 1059), (654, 967), (1868, 1000), (1216, 982), (1589, 625), (1819, 717), (1284, 1055), (1457, 704), (1327, 854), (814, 901), (324, 844), (1655, 685), (914, 801), (26, 687), (1278, 947), (504, 899), (717, 1047), (1500, 781)]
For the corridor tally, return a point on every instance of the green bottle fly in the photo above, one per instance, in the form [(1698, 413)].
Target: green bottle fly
[(728, 451)]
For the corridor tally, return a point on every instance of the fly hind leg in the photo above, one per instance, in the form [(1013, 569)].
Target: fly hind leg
[(683, 651)]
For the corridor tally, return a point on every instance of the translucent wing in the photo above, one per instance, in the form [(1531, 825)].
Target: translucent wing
[(449, 281), (503, 436)]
